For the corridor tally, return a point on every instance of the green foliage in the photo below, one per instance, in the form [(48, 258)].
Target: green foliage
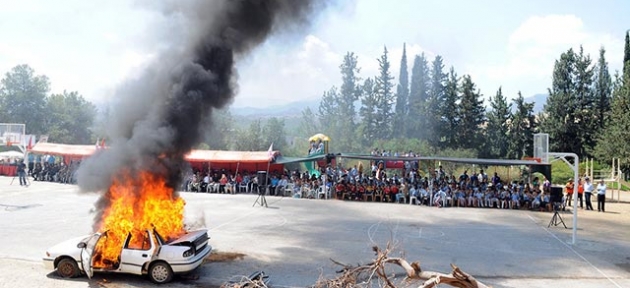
[(418, 95), (23, 98), (603, 89), (219, 130), (368, 127), (384, 100), (522, 128), (570, 112), (449, 111), (614, 140), (471, 114), (69, 118), (273, 132), (561, 173), (626, 55), (348, 94), (250, 139), (308, 124), (435, 102), (402, 95), (496, 142)]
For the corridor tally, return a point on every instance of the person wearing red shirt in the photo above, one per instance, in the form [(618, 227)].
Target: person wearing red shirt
[(580, 189)]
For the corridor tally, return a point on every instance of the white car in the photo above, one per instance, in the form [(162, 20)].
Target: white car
[(154, 256)]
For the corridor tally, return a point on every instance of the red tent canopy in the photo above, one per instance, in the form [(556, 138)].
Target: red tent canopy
[(251, 161)]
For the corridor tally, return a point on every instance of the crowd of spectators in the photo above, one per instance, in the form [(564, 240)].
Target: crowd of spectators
[(476, 189), (52, 169)]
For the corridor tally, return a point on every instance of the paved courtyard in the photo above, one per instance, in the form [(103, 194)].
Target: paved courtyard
[(293, 239)]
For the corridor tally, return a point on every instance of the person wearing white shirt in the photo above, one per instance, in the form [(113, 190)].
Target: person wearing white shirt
[(601, 196), (588, 192)]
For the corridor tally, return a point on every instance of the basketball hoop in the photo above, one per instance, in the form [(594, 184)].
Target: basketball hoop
[(533, 159)]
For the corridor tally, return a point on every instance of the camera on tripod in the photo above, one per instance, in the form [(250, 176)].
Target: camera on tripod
[(557, 203), (556, 198), (262, 182)]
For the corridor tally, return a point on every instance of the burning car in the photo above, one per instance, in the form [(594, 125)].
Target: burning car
[(141, 252)]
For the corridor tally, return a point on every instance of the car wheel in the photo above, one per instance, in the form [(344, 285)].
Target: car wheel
[(67, 268), (160, 273)]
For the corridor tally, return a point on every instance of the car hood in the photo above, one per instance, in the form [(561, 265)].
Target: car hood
[(67, 247), (191, 236)]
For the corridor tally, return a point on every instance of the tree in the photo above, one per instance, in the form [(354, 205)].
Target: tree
[(69, 118), (614, 140), (328, 110), (603, 89), (348, 94), (220, 130), (586, 112), (23, 98), (308, 123), (418, 94), (402, 95), (385, 97), (471, 115), (449, 111), (273, 132), (434, 102), (250, 139), (368, 129), (328, 115), (522, 128), (626, 55), (559, 117), (497, 141)]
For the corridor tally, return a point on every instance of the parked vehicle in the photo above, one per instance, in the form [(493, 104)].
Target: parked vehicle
[(152, 256)]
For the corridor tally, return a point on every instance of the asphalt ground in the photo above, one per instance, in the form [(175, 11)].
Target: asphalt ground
[(293, 240)]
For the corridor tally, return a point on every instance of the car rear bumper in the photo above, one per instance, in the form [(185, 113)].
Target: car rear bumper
[(192, 263)]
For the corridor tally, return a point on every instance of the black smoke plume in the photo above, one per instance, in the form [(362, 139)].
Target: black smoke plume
[(163, 114)]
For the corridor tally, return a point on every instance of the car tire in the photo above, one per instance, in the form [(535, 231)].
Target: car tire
[(160, 273), (67, 268)]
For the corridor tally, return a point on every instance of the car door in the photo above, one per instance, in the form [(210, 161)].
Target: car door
[(138, 249), (86, 254)]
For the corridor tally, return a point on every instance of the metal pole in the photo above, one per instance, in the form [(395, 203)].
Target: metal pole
[(576, 169)]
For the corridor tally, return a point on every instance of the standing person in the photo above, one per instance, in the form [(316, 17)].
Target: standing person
[(580, 190), (601, 196), (569, 188), (21, 170), (588, 192)]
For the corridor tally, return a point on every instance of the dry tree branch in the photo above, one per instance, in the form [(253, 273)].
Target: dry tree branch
[(351, 274)]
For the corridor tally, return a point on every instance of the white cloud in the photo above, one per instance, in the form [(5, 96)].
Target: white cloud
[(306, 72), (532, 49), (280, 74)]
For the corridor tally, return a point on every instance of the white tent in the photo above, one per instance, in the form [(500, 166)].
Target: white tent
[(11, 155)]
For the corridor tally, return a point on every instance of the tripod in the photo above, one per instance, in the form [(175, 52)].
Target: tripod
[(262, 190), (28, 182), (556, 219)]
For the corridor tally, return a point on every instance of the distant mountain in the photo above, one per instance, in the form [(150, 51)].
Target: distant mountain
[(539, 101), (291, 109)]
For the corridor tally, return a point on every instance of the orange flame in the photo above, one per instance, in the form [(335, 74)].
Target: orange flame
[(137, 203)]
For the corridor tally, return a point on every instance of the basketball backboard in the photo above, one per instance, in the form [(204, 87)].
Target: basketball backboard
[(541, 147), (12, 134)]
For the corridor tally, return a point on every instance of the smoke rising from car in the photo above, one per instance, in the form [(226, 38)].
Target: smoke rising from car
[(161, 115)]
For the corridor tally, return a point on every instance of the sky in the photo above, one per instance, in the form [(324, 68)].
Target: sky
[(94, 46)]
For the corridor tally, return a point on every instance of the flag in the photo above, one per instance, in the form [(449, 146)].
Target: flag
[(98, 140), (43, 139), (270, 152)]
